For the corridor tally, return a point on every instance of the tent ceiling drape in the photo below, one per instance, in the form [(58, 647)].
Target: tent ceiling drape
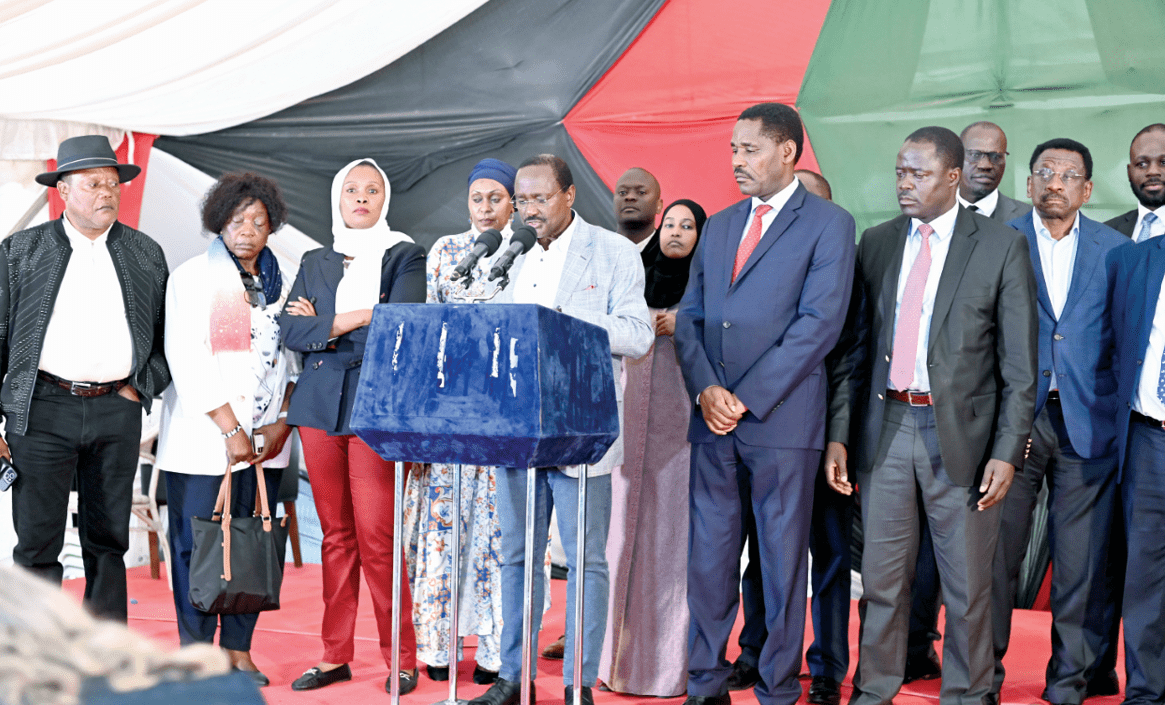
[(226, 62)]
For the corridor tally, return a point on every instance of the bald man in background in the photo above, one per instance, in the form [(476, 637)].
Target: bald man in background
[(638, 202)]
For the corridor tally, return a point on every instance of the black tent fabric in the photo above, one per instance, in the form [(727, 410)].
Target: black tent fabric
[(498, 83)]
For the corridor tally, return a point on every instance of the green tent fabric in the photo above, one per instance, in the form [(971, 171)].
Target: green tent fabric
[(1091, 70)]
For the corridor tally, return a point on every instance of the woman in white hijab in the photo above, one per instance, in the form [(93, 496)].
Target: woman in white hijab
[(326, 318)]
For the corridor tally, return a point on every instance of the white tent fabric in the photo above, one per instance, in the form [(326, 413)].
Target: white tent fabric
[(179, 67)]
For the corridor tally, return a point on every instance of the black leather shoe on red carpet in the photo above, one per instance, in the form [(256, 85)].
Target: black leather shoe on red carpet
[(824, 691)]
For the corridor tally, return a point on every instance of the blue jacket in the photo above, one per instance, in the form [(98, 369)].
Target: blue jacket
[(1135, 272), (326, 389), (1079, 344)]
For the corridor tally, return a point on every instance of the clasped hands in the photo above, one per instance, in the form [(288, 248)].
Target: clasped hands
[(722, 409)]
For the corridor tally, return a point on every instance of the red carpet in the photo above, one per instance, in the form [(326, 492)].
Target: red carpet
[(287, 642)]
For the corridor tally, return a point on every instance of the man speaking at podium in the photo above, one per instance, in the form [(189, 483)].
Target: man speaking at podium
[(596, 275)]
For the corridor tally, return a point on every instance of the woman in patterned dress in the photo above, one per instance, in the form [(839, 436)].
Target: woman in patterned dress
[(429, 496)]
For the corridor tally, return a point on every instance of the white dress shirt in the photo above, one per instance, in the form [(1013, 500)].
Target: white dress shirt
[(940, 244), (1145, 399), (984, 206), (1057, 260), (777, 201), (537, 282), (87, 338), (1156, 229)]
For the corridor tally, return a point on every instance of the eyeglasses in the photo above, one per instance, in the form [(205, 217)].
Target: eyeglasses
[(254, 290), (973, 156), (1068, 177), (540, 200)]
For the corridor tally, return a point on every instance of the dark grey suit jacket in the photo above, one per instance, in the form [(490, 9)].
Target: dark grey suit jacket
[(982, 354), (1009, 209), (1124, 223)]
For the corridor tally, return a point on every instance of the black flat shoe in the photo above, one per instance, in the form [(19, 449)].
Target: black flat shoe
[(743, 676), (408, 682), (1103, 684), (484, 677), (260, 680), (437, 673), (922, 668), (502, 692), (725, 699), (587, 697), (314, 678), (824, 691)]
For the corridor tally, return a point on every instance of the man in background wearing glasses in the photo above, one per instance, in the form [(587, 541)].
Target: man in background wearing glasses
[(1073, 444), (984, 162)]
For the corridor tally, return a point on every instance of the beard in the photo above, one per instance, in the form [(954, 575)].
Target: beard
[(1148, 200)]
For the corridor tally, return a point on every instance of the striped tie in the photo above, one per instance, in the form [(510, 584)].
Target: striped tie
[(909, 316)]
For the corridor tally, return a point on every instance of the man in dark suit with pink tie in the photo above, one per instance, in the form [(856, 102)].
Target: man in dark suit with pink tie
[(766, 301)]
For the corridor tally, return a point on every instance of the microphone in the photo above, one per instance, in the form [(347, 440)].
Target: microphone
[(486, 244), (520, 243)]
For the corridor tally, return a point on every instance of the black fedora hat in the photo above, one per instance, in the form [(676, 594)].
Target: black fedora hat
[(86, 152)]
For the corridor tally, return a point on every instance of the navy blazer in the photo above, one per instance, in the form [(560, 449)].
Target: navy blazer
[(1080, 343), (326, 389), (765, 336), (1135, 272)]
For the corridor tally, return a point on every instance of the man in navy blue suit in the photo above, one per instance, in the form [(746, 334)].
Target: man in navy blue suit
[(1135, 274), (766, 301), (1073, 445)]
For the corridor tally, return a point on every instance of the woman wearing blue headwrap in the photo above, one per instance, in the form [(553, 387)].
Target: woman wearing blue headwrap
[(428, 515)]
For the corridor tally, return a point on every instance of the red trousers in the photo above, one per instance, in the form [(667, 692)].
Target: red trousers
[(354, 493)]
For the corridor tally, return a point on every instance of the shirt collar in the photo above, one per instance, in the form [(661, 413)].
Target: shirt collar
[(1142, 211), (985, 205), (1043, 232), (944, 225), (77, 239), (778, 199)]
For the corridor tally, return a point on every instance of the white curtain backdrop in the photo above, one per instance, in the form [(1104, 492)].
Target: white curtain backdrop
[(179, 67)]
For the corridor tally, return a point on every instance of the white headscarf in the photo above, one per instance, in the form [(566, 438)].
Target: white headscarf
[(359, 288)]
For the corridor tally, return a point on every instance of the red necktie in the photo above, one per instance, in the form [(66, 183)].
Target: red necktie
[(905, 351), (749, 243)]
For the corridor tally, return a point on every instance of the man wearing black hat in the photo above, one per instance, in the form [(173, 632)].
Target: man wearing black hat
[(80, 354)]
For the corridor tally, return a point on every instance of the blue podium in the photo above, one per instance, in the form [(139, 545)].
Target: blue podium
[(515, 385)]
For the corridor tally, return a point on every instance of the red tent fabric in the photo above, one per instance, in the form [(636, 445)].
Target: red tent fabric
[(647, 110)]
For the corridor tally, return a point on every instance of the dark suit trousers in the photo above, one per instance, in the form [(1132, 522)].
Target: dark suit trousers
[(1081, 504), (908, 470), (830, 535), (94, 440), (1143, 496), (190, 496), (781, 485), (925, 596)]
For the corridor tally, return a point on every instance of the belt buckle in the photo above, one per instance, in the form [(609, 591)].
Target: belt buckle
[(910, 398), (79, 388)]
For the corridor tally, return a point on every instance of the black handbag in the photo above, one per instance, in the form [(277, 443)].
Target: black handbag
[(236, 566)]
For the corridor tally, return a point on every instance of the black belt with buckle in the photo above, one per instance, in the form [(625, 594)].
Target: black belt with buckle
[(1054, 396), (1148, 420), (83, 389)]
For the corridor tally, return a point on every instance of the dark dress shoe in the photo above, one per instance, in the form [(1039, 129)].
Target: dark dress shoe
[(260, 680), (824, 691), (586, 699), (556, 650), (437, 673), (484, 677), (743, 676), (502, 692), (922, 668), (991, 699), (314, 678), (408, 682), (1103, 684), (724, 699)]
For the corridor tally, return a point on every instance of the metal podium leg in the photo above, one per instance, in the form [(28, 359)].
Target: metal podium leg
[(397, 549), (528, 587), (454, 591), (580, 555)]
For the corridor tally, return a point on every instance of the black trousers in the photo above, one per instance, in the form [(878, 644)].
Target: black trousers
[(94, 440)]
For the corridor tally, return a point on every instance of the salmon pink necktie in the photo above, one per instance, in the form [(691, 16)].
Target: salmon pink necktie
[(905, 352), (749, 243)]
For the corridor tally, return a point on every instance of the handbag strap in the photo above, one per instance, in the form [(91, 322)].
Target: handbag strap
[(222, 511), (262, 507)]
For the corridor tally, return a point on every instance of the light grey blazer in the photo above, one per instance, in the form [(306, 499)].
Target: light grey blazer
[(602, 283)]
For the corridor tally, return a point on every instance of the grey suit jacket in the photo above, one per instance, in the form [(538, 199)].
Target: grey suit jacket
[(602, 283), (982, 354), (1124, 223), (1009, 209)]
